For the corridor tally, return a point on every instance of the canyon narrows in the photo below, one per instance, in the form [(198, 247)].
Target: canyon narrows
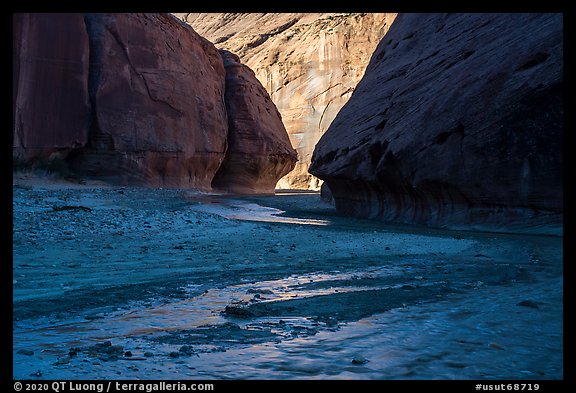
[(167, 220), (310, 63)]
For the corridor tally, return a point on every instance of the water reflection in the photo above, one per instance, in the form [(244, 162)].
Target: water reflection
[(199, 310), (234, 209)]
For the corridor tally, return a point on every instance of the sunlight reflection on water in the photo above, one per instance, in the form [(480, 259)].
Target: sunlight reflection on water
[(245, 211)]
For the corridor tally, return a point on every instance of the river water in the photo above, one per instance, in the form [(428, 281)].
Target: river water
[(457, 321)]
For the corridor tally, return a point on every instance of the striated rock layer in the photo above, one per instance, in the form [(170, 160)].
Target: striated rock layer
[(49, 85), (259, 150), (138, 99), (457, 122), (308, 63)]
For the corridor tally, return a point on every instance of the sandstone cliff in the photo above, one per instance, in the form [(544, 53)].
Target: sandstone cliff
[(259, 151), (50, 104), (131, 99), (457, 122), (308, 63), (157, 92)]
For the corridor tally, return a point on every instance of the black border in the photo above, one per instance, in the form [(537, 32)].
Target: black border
[(324, 6)]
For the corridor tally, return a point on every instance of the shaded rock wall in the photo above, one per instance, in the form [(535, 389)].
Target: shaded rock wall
[(157, 90), (130, 98), (457, 122), (309, 64), (49, 85), (259, 151)]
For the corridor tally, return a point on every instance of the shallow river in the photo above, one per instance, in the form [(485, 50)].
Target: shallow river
[(461, 323)]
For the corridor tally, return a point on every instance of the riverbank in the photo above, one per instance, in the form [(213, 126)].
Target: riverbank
[(193, 285)]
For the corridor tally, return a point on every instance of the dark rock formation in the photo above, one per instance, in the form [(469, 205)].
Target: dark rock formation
[(139, 99), (259, 151), (157, 92), (457, 122), (49, 85)]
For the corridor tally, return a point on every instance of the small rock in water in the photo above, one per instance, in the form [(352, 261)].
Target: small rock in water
[(237, 311), (528, 303), (496, 346), (128, 354), (26, 352), (359, 359), (148, 354), (115, 349), (174, 354), (62, 361), (186, 350), (328, 320), (230, 326)]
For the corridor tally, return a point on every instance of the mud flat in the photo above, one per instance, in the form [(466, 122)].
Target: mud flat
[(130, 283)]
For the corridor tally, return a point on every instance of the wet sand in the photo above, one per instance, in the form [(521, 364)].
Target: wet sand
[(129, 283)]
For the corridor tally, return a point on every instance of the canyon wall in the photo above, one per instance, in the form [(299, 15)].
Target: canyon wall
[(259, 151), (128, 98), (157, 90), (458, 122), (50, 103), (309, 64)]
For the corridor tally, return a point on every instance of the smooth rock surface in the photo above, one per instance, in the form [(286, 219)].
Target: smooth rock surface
[(157, 90), (139, 99), (457, 122), (259, 151), (309, 63), (49, 80)]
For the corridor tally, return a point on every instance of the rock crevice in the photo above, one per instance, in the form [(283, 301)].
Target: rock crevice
[(309, 63)]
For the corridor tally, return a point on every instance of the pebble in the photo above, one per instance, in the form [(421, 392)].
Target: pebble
[(237, 311), (528, 303), (148, 354), (26, 352), (496, 346), (359, 359), (186, 350), (62, 361)]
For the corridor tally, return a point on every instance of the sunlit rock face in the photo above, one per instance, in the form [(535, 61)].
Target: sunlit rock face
[(259, 151), (457, 122), (308, 63), (50, 85)]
